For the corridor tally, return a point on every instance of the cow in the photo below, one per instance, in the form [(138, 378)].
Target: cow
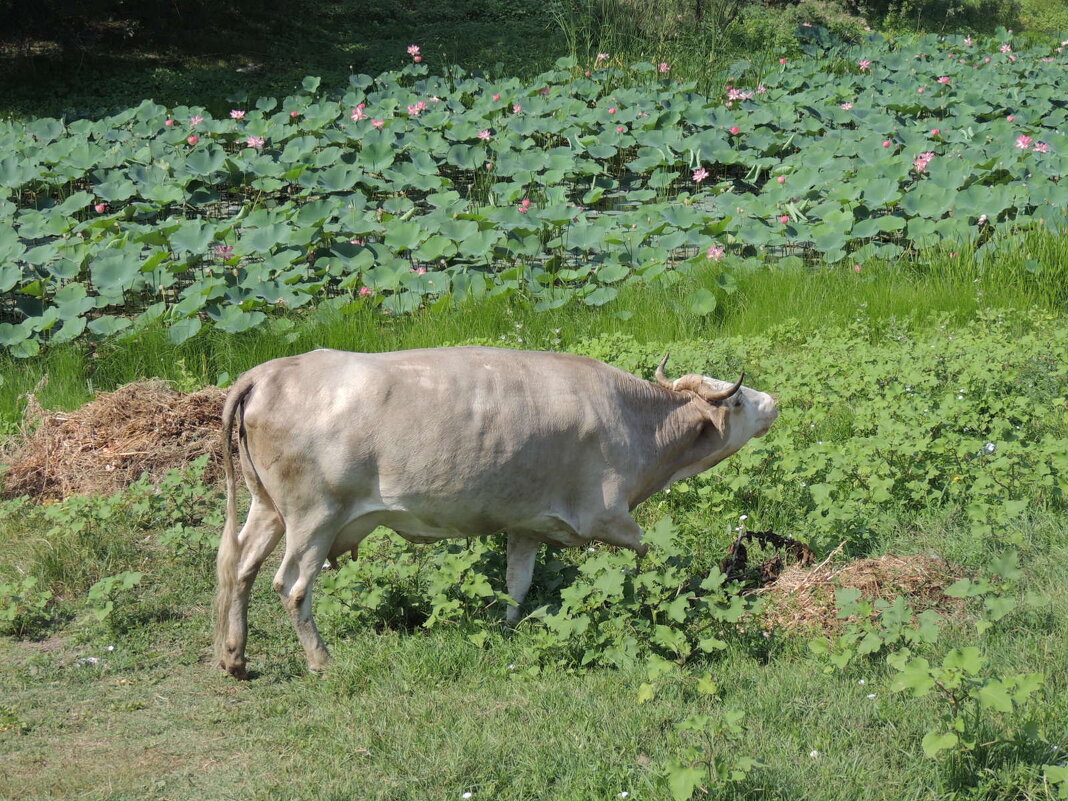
[(452, 442)]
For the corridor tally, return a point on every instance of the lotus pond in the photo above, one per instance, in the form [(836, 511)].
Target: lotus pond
[(415, 188)]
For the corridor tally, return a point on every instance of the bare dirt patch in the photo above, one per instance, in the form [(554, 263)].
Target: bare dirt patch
[(144, 427)]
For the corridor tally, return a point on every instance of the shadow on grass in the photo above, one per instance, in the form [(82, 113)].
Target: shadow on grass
[(219, 58)]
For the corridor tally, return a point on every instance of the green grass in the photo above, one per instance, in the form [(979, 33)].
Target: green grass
[(411, 713), (417, 715)]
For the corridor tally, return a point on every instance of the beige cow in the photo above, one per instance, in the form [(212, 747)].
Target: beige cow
[(453, 442)]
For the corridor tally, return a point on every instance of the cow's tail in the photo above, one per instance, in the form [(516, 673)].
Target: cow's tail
[(229, 550)]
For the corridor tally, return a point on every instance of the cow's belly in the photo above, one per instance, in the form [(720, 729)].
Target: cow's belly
[(548, 528)]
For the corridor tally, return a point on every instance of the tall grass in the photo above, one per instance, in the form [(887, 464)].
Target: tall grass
[(936, 287)]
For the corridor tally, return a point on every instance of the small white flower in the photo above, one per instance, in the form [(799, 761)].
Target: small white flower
[(871, 695), (814, 754), (468, 794), (591, 549), (111, 647), (743, 517), (990, 447), (861, 682), (624, 794)]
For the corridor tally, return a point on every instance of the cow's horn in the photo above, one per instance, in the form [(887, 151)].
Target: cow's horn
[(709, 395), (662, 379)]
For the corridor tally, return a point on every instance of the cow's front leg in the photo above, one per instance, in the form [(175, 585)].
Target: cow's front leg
[(522, 553), (619, 530)]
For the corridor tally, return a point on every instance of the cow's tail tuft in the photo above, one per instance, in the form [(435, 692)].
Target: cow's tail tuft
[(229, 550)]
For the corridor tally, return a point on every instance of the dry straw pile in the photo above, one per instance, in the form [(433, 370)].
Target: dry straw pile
[(144, 427), (801, 599)]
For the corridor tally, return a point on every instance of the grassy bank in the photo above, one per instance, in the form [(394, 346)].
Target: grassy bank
[(751, 299), (881, 444)]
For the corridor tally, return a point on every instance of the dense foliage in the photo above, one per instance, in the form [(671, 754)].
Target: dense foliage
[(566, 187)]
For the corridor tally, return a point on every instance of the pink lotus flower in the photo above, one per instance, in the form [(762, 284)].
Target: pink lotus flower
[(935, 132), (944, 79), (783, 60), (417, 59), (358, 113), (237, 114), (1041, 147), (602, 57), (413, 50), (1005, 48), (366, 291), (294, 114), (761, 90), (516, 108), (255, 142), (1024, 142), (484, 135), (921, 90), (699, 175), (612, 110), (417, 109), (784, 219), (986, 60), (418, 270), (715, 253), (378, 124), (921, 161), (195, 120), (496, 97), (192, 139), (169, 123), (856, 269), (489, 165), (664, 67), (100, 208), (621, 129), (356, 242), (847, 106), (864, 64), (968, 41), (1012, 57), (738, 94), (781, 179), (887, 143), (735, 130), (224, 251), (1010, 118)]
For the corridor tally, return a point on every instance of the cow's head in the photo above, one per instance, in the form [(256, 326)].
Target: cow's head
[(739, 412)]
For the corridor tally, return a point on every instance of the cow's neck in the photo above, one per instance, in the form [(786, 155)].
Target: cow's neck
[(676, 437)]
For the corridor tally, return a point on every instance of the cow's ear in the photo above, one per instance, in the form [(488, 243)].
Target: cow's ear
[(715, 416)]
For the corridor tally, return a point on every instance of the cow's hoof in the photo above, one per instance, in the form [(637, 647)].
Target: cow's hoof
[(237, 670)]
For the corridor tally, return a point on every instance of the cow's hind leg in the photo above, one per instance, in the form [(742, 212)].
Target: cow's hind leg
[(257, 538), (307, 547), (522, 553)]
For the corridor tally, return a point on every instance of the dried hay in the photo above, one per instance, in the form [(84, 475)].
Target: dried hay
[(801, 599), (144, 427)]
